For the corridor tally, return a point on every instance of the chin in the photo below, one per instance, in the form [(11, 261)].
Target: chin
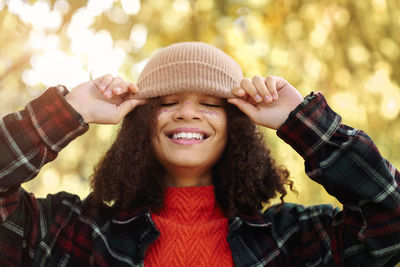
[(187, 163)]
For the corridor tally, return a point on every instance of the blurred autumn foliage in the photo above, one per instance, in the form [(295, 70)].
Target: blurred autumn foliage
[(349, 50)]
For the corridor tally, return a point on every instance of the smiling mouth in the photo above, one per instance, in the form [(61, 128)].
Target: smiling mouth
[(187, 136)]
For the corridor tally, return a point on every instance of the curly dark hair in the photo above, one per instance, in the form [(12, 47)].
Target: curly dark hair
[(245, 177)]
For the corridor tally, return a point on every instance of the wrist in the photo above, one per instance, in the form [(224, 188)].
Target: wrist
[(72, 101)]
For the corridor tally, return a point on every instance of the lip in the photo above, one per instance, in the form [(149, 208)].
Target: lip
[(186, 142)]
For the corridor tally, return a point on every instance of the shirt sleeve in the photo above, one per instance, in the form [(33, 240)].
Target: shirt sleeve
[(29, 139), (32, 137), (347, 163)]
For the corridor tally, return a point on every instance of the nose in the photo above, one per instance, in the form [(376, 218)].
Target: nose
[(187, 111)]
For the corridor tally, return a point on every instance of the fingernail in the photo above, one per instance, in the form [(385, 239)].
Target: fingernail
[(268, 98), (117, 89), (241, 92), (108, 93), (102, 87), (258, 98), (275, 97)]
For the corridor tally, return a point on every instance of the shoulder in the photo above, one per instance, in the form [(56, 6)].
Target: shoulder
[(288, 215), (70, 207)]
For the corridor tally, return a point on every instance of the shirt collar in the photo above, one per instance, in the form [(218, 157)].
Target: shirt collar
[(125, 217), (256, 220), (128, 216)]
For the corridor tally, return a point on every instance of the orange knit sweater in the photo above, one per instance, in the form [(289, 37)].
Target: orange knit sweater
[(193, 230)]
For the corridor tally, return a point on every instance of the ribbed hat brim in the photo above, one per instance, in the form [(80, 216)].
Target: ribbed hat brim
[(189, 67)]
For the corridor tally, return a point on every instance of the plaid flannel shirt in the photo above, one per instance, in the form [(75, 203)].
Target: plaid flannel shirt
[(62, 230)]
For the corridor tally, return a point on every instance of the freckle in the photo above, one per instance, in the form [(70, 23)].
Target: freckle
[(209, 113), (164, 112)]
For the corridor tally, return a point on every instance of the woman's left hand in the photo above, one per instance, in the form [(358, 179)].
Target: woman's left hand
[(266, 101)]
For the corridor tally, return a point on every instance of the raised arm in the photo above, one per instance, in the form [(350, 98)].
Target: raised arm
[(33, 137), (349, 166)]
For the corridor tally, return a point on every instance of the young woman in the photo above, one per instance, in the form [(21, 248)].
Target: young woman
[(189, 171)]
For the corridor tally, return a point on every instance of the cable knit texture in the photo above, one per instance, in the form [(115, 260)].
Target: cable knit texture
[(193, 230)]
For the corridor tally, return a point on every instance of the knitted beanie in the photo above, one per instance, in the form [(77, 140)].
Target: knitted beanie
[(189, 67)]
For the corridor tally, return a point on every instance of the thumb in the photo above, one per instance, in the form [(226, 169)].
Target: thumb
[(244, 106), (128, 105)]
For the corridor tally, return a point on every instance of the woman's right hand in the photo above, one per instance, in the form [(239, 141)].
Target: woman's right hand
[(105, 100)]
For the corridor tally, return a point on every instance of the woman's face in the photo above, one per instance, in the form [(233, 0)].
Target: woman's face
[(191, 131)]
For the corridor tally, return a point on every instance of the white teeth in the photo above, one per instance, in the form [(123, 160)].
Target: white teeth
[(197, 136)]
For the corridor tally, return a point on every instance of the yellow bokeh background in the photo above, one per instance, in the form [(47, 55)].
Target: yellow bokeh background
[(349, 50)]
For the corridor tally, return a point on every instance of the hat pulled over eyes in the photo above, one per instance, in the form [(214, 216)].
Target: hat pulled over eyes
[(189, 67)]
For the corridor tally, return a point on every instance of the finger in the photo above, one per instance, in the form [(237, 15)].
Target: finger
[(247, 108), (247, 85), (239, 92), (117, 87), (270, 81), (259, 83), (128, 105), (133, 88), (103, 82), (280, 83), (123, 88)]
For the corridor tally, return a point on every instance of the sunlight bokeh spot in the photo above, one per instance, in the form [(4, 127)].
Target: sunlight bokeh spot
[(358, 54), (62, 6), (40, 41), (81, 40), (96, 7), (82, 18), (110, 62), (38, 15), (341, 16), (294, 29), (313, 67), (257, 3), (118, 15), (389, 48), (376, 82), (342, 77), (319, 35), (345, 101), (390, 105), (131, 7), (30, 77), (205, 5), (379, 4), (181, 6), (51, 68), (138, 36)]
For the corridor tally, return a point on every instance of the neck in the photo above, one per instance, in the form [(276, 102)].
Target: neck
[(184, 177)]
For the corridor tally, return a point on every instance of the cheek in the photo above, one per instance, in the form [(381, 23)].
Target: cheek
[(162, 117), (210, 113), (164, 113), (218, 118)]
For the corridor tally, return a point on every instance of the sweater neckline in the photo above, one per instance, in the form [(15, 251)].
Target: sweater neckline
[(193, 205)]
